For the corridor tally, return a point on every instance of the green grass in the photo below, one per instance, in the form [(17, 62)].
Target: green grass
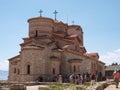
[(56, 87)]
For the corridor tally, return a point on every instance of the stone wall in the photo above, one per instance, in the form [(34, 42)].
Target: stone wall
[(36, 59)]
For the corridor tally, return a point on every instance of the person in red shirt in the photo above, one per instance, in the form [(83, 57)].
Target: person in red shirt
[(116, 76)]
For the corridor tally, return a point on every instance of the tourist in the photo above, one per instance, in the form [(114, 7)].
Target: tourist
[(60, 78), (116, 76), (80, 79), (96, 76), (83, 75), (77, 79), (100, 76), (71, 78), (85, 78), (92, 78), (88, 77)]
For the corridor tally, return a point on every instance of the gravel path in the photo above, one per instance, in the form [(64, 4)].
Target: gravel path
[(112, 87)]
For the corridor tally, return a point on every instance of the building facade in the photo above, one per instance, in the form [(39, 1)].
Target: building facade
[(110, 69), (52, 48)]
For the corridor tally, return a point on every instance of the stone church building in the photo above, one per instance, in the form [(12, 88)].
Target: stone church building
[(52, 48)]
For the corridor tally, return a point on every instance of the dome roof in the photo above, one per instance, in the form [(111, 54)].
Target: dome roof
[(38, 18)]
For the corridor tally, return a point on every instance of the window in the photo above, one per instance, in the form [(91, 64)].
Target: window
[(53, 70), (36, 34), (28, 69), (14, 70)]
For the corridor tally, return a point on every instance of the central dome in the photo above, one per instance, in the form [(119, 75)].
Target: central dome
[(40, 25)]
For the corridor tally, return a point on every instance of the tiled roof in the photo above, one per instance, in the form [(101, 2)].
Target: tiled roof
[(92, 55), (15, 57)]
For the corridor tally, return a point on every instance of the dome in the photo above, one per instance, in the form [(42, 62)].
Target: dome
[(40, 26)]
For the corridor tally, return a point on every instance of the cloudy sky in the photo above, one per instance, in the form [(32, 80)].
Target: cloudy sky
[(99, 19)]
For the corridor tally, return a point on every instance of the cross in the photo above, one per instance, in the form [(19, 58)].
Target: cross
[(40, 12), (55, 12)]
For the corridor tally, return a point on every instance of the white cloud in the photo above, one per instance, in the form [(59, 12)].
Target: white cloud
[(111, 57), (4, 65)]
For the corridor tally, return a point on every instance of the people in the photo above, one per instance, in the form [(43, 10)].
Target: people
[(60, 78), (71, 78), (116, 76), (80, 79), (92, 78)]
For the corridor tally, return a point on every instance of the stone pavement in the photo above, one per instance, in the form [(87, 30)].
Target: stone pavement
[(112, 87), (36, 87)]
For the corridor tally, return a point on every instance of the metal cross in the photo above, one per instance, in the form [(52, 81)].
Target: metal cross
[(55, 12), (40, 12)]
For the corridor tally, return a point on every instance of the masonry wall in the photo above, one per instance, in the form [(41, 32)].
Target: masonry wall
[(36, 59), (41, 26), (66, 57), (14, 70)]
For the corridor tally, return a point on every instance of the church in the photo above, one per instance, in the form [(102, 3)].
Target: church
[(51, 48)]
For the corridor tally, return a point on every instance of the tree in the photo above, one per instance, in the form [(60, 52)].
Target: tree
[(114, 64)]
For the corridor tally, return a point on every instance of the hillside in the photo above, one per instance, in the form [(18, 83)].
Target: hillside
[(3, 75)]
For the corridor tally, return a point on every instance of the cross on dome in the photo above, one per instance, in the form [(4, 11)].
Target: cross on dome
[(55, 12), (40, 12)]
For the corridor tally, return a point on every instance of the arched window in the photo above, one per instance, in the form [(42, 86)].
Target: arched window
[(28, 69), (53, 70)]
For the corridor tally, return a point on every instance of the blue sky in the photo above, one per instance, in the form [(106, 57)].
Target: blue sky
[(99, 19)]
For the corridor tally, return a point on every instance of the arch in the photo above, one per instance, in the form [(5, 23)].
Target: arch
[(28, 67)]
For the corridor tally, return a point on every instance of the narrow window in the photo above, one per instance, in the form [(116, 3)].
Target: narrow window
[(28, 69), (14, 70), (36, 34), (53, 70)]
